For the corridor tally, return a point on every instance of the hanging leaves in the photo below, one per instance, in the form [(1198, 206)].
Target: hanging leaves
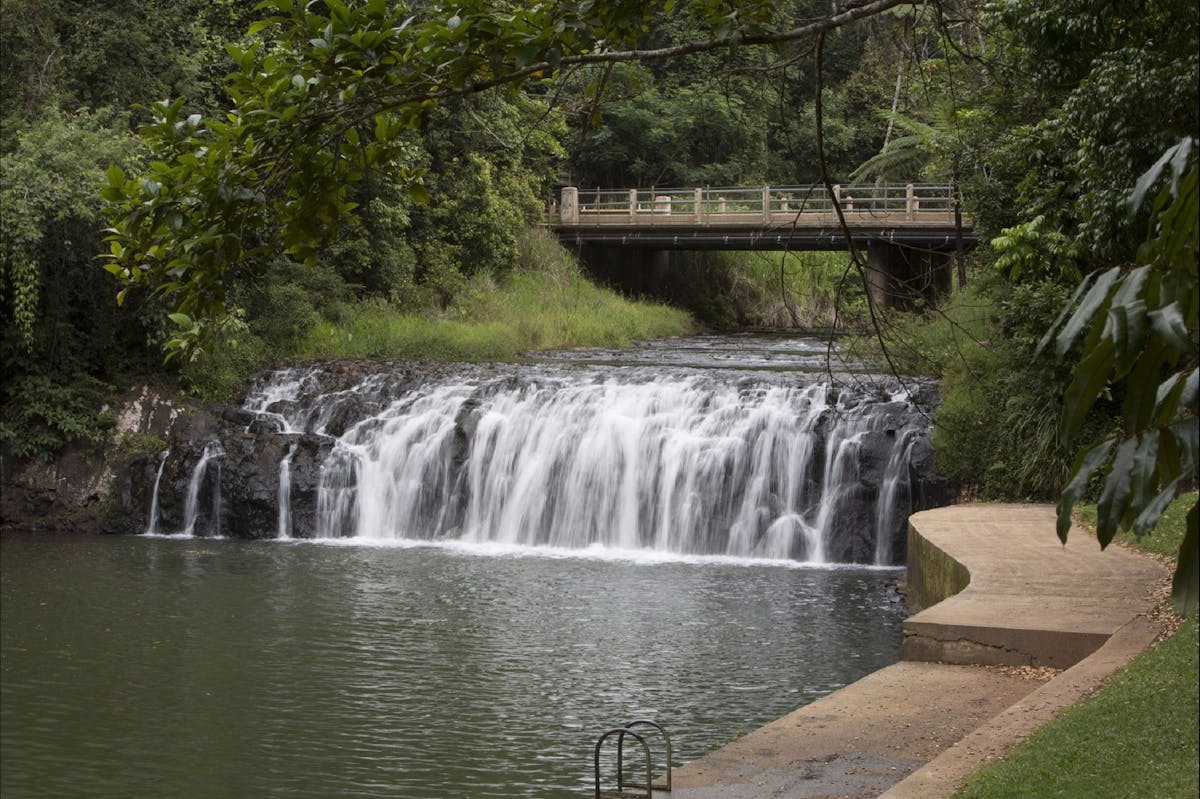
[(335, 91), (1138, 327)]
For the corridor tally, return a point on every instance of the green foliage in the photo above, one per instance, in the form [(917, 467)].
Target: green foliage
[(334, 98), (1167, 535), (923, 153), (939, 341), (132, 444), (63, 338), (1138, 329), (1084, 96), (996, 430), (801, 289), (1030, 251), (217, 373), (341, 92), (66, 55), (51, 217), (544, 303), (44, 413), (691, 135)]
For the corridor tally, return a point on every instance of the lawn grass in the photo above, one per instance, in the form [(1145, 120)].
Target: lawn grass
[(1137, 737), (1163, 540)]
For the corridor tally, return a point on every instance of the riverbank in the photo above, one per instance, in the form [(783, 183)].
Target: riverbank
[(919, 728)]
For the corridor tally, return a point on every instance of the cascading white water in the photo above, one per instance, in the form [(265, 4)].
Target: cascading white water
[(284, 529), (684, 464), (191, 508), (895, 490), (733, 459), (152, 524)]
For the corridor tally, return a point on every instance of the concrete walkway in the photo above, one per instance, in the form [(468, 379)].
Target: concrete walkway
[(1008, 605)]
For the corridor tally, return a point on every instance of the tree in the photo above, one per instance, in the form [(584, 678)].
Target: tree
[(331, 97), (49, 282), (1083, 97), (1138, 325)]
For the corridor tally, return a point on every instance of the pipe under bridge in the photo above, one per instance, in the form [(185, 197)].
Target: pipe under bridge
[(910, 232)]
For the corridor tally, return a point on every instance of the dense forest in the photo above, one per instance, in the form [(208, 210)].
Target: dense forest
[(385, 162)]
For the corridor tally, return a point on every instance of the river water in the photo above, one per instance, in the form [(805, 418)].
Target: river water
[(400, 666)]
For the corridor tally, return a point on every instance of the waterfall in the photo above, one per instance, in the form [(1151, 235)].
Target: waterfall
[(896, 490), (682, 463), (285, 494), (745, 458), (152, 524), (191, 508)]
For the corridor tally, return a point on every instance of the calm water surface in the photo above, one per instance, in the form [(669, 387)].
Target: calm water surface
[(139, 667)]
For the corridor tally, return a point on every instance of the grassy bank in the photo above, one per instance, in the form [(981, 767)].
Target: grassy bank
[(544, 303), (1137, 737)]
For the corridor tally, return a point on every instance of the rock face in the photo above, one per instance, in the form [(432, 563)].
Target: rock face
[(90, 488)]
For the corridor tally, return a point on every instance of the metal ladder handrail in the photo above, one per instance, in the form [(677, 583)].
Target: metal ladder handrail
[(661, 786), (620, 794)]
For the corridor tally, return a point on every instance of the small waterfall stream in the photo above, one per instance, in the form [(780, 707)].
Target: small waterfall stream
[(285, 494), (896, 492), (152, 525), (753, 462), (191, 510)]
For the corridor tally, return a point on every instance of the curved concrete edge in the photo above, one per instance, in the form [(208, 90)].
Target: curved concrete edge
[(1003, 591), (1026, 599), (945, 775)]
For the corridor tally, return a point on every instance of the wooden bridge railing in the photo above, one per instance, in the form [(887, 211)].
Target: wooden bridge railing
[(765, 205)]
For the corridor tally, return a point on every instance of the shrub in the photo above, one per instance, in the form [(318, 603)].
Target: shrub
[(45, 412)]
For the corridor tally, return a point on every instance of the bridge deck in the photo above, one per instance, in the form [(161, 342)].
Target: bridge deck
[(761, 218)]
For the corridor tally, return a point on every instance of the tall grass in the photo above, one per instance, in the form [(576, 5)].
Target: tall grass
[(996, 429), (545, 302), (957, 335), (791, 289)]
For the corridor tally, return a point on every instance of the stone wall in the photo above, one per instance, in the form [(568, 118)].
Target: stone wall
[(932, 575)]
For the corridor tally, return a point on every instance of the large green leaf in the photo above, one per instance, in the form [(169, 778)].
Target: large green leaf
[(1094, 303), (1086, 463), (1118, 486), (1087, 384), (1185, 586), (1177, 157)]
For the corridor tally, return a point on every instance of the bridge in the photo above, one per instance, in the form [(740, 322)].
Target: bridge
[(910, 232)]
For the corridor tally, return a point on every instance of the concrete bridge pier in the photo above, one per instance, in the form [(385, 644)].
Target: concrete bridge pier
[(907, 277)]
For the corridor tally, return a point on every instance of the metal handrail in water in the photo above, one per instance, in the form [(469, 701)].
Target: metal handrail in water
[(620, 792), (657, 786)]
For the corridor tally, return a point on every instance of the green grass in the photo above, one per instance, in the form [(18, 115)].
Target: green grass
[(953, 337), (545, 303), (1137, 737), (822, 289), (1164, 539)]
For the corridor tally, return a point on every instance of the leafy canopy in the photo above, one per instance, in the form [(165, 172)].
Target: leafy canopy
[(325, 94), (1138, 331)]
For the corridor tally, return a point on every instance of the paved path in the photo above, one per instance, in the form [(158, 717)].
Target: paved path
[(918, 728)]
